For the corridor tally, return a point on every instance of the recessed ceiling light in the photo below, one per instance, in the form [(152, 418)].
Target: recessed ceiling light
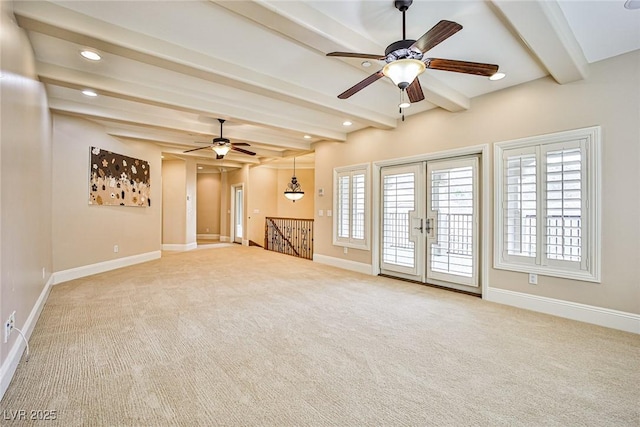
[(307, 137), (200, 167), (366, 64), (497, 76), (90, 55), (88, 92), (346, 123), (632, 4), (162, 157)]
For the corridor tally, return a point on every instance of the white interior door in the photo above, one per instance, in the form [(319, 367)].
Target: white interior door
[(452, 222), (402, 238)]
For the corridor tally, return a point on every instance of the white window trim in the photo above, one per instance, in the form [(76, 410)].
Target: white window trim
[(349, 242), (593, 170)]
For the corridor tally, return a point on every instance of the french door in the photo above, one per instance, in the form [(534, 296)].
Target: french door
[(429, 227)]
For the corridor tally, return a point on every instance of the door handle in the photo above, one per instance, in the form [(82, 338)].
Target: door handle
[(419, 228), (429, 227)]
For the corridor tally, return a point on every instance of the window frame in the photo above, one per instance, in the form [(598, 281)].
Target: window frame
[(350, 241), (588, 269)]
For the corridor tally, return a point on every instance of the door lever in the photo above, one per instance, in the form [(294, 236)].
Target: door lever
[(429, 227), (419, 228)]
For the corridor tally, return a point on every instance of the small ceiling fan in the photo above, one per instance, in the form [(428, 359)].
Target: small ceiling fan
[(222, 145), (405, 59)]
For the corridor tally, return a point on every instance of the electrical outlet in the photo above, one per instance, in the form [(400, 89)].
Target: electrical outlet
[(346, 250), (9, 325), (115, 248), (533, 279)]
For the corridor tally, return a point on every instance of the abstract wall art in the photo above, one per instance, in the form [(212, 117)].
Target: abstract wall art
[(118, 180)]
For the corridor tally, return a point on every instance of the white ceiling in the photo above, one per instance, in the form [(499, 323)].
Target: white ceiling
[(170, 68)]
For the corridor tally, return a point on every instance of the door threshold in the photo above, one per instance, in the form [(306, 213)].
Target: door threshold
[(460, 291)]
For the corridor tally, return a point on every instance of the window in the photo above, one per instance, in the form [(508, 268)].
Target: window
[(547, 204), (351, 212)]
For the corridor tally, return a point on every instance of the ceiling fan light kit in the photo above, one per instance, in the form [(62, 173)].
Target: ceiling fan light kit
[(403, 72), (221, 150)]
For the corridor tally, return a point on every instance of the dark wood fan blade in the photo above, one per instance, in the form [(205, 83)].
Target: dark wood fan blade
[(414, 91), (241, 150), (356, 55), (476, 68), (241, 144), (361, 85), (196, 149), (436, 35)]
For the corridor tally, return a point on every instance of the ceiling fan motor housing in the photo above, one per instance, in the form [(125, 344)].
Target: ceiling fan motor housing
[(402, 5), (402, 50)]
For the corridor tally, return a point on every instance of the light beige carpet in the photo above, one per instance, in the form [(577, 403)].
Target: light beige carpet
[(239, 336)]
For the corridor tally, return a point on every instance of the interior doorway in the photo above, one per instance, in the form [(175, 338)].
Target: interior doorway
[(237, 213)]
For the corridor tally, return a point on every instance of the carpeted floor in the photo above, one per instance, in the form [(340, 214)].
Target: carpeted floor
[(238, 336)]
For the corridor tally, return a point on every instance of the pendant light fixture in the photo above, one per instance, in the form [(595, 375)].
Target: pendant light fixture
[(294, 190)]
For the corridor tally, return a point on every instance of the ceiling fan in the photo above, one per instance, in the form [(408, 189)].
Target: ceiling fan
[(222, 145), (405, 59)]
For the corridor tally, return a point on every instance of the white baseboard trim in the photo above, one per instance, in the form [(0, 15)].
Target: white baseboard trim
[(606, 317), (208, 236), (343, 263), (179, 247), (245, 242), (225, 239), (101, 267), (8, 368)]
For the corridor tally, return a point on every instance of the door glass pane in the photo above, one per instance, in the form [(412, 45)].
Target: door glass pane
[(398, 197), (452, 198)]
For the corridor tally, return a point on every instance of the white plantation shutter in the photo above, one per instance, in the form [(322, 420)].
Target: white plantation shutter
[(358, 206), (565, 202), (398, 200), (342, 208), (547, 205), (520, 188), (350, 206)]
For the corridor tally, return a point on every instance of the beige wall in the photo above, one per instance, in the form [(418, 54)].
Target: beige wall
[(265, 197), (174, 205), (610, 97), (230, 179), (302, 208), (25, 183), (191, 173), (85, 234), (262, 200), (208, 200)]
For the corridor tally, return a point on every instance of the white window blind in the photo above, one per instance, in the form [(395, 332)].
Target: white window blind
[(520, 210), (564, 204), (548, 204), (350, 205), (357, 206), (342, 207)]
